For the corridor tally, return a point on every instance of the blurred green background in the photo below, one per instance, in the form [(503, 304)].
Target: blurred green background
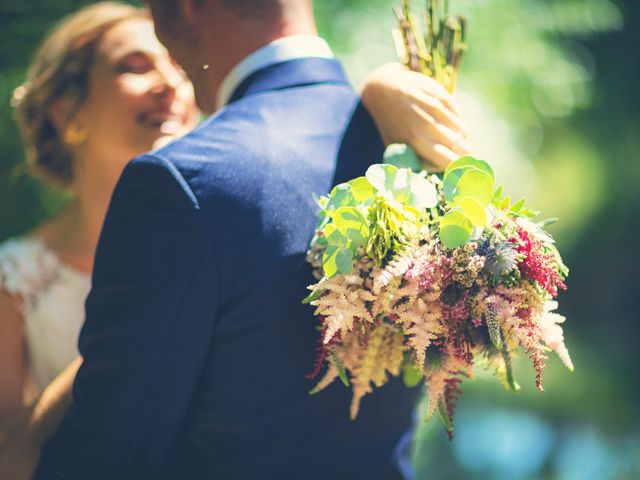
[(550, 91)]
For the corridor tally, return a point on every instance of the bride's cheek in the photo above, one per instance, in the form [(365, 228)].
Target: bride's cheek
[(134, 85)]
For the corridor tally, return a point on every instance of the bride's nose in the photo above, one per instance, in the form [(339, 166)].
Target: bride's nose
[(167, 81)]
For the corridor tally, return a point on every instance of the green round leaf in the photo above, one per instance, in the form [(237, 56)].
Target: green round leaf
[(468, 161), (401, 156), (476, 184), (474, 211), (450, 183), (455, 229)]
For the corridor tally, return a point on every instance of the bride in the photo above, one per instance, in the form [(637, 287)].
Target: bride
[(100, 91)]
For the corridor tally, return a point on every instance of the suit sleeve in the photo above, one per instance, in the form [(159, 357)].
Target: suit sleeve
[(149, 324)]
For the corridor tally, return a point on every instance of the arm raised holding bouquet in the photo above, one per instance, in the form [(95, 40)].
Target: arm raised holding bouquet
[(426, 276)]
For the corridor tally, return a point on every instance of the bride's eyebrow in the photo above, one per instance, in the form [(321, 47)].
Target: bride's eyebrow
[(131, 54)]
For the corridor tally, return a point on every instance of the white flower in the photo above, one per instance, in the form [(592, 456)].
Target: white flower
[(552, 333)]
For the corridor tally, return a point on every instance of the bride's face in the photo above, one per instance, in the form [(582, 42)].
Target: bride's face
[(138, 97)]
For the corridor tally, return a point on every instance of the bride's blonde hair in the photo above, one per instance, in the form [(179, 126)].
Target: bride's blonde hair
[(60, 69)]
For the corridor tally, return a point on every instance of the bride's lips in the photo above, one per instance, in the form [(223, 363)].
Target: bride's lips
[(167, 122)]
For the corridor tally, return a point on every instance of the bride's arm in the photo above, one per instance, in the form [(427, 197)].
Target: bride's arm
[(52, 403), (12, 356), (23, 433), (411, 108)]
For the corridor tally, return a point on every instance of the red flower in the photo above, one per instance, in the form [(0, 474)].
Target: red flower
[(537, 264)]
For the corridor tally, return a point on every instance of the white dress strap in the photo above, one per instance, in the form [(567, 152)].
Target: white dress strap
[(27, 267)]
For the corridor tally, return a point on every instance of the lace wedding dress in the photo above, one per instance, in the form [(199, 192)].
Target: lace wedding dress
[(51, 298)]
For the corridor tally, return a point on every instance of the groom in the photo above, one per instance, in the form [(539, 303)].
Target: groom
[(195, 344)]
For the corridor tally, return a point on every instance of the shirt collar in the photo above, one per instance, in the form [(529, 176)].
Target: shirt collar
[(286, 48)]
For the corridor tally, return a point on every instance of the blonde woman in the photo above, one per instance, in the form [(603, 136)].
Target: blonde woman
[(102, 90)]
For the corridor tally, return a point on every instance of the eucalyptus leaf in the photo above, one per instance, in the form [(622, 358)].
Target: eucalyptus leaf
[(450, 183), (476, 184), (455, 229), (465, 162), (474, 211)]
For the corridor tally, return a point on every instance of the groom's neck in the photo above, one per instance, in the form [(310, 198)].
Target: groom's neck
[(235, 36)]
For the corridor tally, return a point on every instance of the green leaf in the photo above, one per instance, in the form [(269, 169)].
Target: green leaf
[(450, 183), (334, 236), (381, 176), (401, 156), (476, 184), (516, 207), (444, 416), (546, 222), (340, 196), (361, 189), (506, 201), (344, 261), (508, 369), (352, 224), (411, 375), (497, 196), (329, 264), (468, 161), (342, 373), (455, 229), (474, 211), (311, 297)]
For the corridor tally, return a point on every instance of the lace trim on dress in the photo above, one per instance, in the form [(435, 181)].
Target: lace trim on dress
[(27, 268)]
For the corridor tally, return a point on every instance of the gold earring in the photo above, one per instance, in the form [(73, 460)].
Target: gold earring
[(74, 135)]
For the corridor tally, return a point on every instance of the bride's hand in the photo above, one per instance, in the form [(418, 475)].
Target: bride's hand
[(411, 108)]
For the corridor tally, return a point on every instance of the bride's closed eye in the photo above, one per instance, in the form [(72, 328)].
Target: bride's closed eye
[(136, 63)]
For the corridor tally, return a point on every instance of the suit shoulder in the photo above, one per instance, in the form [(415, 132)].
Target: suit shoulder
[(154, 177)]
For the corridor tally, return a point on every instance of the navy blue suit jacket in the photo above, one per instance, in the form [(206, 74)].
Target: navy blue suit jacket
[(195, 343)]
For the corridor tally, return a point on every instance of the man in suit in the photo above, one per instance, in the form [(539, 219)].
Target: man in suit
[(196, 344)]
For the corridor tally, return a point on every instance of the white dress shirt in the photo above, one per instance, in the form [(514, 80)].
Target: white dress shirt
[(281, 50)]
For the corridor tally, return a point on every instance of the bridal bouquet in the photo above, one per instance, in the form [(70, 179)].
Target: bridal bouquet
[(425, 276)]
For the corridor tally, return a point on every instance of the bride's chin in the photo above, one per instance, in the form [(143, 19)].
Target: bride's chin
[(162, 141)]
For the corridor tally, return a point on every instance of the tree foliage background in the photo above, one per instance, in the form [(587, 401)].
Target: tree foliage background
[(550, 89)]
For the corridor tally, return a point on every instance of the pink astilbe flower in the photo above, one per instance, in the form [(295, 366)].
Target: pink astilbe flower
[(537, 264), (517, 311), (438, 375)]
